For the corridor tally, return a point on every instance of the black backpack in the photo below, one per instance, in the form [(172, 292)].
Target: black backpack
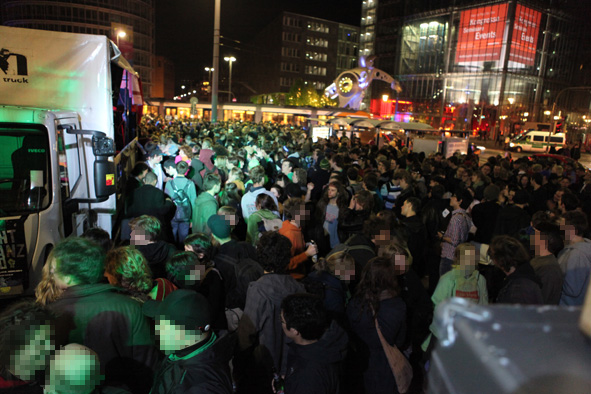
[(246, 270), (182, 202)]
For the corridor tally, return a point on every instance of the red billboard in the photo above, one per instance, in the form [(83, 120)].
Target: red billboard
[(481, 31), (525, 35)]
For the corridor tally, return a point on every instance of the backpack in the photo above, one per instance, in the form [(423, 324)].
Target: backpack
[(246, 270), (346, 248), (182, 202), (265, 225)]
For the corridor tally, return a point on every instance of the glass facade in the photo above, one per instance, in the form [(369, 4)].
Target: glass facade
[(485, 67)]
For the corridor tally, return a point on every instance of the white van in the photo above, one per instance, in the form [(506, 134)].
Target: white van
[(537, 141)]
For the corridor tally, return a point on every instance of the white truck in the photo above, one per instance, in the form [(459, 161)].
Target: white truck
[(57, 175)]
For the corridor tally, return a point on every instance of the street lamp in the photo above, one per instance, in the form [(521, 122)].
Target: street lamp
[(209, 70), (120, 34), (230, 59)]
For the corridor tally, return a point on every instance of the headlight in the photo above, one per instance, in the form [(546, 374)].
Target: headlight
[(511, 144)]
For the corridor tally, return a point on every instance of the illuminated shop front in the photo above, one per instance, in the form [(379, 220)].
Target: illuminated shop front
[(489, 67)]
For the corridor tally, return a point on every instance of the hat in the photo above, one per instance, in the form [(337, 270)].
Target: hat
[(324, 164), (294, 190), (219, 226), (491, 192), (183, 307)]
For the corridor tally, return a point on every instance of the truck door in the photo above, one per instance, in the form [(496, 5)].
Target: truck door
[(538, 143), (75, 216), (25, 194)]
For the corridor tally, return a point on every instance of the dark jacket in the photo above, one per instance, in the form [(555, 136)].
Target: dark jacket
[(148, 200), (194, 370), (262, 316), (521, 287), (315, 368), (416, 236), (511, 219), (335, 294), (551, 277), (112, 324), (157, 254), (484, 216), (371, 359), (351, 223)]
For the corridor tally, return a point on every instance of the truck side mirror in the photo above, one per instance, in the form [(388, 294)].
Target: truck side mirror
[(104, 170)]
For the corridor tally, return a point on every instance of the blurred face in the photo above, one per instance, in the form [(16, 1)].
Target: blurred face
[(381, 167), (332, 192), (485, 170), (34, 355), (173, 338), (286, 167), (275, 192), (138, 237), (565, 182), (455, 204), (406, 208)]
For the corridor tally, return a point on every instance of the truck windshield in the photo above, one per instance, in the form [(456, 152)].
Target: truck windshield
[(24, 170)]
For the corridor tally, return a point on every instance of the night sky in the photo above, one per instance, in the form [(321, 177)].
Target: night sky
[(184, 28)]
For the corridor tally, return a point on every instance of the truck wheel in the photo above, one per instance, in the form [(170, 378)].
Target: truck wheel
[(519, 149)]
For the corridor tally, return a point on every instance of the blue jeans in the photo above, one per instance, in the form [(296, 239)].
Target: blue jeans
[(445, 266), (180, 230)]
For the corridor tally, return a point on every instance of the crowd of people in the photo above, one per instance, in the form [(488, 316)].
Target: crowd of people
[(253, 259)]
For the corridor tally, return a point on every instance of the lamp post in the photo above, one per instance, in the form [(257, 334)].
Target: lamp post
[(230, 59), (209, 70), (216, 59)]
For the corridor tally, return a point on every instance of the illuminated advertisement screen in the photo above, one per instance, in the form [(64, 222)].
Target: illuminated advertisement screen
[(480, 36), (525, 35)]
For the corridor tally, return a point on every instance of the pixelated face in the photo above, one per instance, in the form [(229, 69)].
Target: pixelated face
[(569, 230), (172, 337), (537, 241), (34, 354), (400, 264), (467, 261), (302, 214), (343, 272), (332, 192), (194, 275), (382, 238), (138, 237), (75, 368)]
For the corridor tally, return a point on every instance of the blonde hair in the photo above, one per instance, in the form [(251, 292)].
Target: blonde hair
[(47, 290), (394, 250), (129, 268), (340, 259)]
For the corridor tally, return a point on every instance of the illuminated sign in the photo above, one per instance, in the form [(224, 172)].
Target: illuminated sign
[(480, 37), (525, 35)]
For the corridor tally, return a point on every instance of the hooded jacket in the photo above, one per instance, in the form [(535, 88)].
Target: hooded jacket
[(157, 254), (252, 232), (315, 368), (113, 325), (262, 315), (204, 370), (575, 262), (296, 267), (205, 206)]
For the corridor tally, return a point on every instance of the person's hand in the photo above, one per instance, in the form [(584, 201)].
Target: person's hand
[(312, 250), (353, 203), (310, 186)]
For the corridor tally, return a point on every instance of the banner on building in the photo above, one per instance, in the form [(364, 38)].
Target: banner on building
[(525, 35), (480, 36)]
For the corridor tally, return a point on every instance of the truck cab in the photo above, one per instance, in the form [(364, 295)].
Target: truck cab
[(57, 172)]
